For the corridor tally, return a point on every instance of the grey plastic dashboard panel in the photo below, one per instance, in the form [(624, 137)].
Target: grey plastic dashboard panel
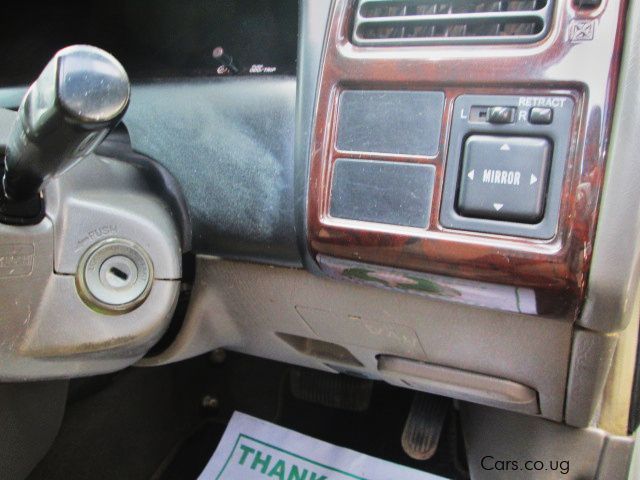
[(591, 355), (47, 331), (614, 278), (459, 384), (505, 445), (613, 294), (243, 306)]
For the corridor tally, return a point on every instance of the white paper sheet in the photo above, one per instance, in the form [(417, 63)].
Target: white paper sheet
[(252, 449)]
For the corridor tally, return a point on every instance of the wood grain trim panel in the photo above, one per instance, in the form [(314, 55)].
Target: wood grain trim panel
[(556, 269)]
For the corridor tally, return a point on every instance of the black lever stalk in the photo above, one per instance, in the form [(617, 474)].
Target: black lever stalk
[(79, 97)]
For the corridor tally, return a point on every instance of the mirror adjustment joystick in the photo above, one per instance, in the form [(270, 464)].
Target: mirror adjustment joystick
[(79, 97)]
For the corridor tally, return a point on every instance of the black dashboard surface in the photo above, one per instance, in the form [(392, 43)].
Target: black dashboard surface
[(228, 140), (153, 39), (229, 143)]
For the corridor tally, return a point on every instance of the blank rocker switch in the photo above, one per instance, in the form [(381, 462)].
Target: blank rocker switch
[(504, 178), (541, 115)]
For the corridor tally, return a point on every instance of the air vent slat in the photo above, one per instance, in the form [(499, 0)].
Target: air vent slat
[(426, 22), (452, 18)]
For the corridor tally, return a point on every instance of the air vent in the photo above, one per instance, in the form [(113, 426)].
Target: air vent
[(428, 22)]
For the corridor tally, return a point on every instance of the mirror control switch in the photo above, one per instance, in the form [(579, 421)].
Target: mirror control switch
[(504, 178)]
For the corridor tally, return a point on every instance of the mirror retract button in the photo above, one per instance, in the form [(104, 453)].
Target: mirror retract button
[(541, 115), (504, 178)]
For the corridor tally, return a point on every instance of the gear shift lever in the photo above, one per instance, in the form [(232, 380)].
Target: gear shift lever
[(79, 97)]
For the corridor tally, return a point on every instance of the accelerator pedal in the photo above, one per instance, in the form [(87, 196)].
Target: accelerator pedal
[(331, 390), (422, 429)]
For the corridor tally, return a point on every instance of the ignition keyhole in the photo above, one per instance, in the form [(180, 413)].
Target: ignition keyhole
[(119, 273), (115, 275)]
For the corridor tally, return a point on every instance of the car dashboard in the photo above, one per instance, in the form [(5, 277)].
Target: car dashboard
[(439, 195)]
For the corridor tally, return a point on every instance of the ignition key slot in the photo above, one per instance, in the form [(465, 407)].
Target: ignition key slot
[(114, 276)]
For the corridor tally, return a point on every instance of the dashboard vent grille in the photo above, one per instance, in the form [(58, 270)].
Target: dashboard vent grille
[(428, 22)]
